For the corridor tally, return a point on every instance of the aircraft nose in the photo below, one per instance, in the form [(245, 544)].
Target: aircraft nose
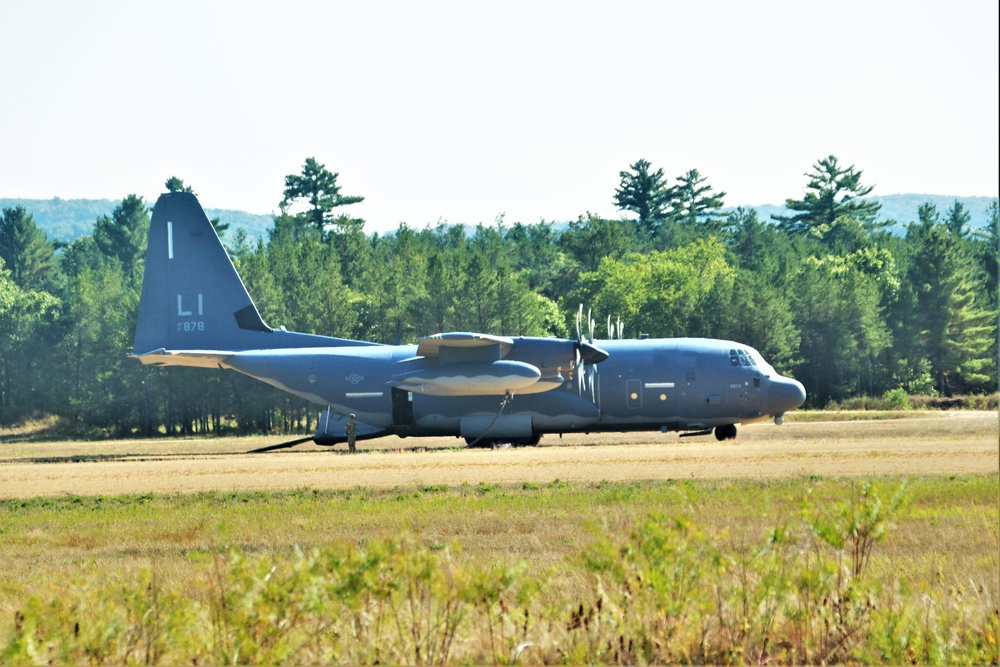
[(784, 394)]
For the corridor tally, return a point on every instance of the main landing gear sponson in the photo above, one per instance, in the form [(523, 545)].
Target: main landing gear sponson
[(725, 432), (486, 443)]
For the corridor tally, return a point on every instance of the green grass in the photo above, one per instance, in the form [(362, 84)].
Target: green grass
[(857, 415), (583, 572)]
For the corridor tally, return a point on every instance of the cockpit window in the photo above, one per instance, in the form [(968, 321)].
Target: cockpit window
[(739, 357)]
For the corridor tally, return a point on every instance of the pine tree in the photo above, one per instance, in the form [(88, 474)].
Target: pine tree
[(318, 187), (833, 191), (694, 202), (123, 235), (26, 251), (957, 220), (954, 330), (646, 194)]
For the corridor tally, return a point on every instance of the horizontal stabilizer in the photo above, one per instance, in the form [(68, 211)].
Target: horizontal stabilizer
[(194, 358)]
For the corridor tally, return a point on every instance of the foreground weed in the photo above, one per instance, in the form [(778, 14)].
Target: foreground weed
[(855, 525), (655, 588)]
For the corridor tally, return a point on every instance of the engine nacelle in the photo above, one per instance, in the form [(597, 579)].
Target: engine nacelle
[(469, 379)]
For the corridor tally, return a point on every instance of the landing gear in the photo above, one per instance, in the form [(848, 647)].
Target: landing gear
[(725, 432), (486, 443)]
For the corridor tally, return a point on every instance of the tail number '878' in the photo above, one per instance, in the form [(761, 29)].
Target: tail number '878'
[(190, 325)]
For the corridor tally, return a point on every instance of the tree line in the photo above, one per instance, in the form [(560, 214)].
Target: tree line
[(826, 293)]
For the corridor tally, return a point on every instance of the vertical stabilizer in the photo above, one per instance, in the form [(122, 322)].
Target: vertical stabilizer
[(194, 309), (192, 297)]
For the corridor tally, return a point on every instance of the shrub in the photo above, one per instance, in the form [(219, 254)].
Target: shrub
[(898, 399)]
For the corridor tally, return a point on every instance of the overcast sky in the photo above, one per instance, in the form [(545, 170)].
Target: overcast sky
[(460, 111)]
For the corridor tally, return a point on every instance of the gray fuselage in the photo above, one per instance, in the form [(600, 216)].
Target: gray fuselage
[(673, 384)]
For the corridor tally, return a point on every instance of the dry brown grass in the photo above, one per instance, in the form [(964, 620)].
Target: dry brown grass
[(951, 442)]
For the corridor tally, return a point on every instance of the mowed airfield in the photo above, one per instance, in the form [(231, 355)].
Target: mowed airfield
[(809, 444)]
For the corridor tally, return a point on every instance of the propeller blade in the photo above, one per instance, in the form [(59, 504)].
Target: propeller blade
[(280, 445), (621, 332), (611, 329), (579, 324)]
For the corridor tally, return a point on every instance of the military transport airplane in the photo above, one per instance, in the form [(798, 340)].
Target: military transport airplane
[(195, 311)]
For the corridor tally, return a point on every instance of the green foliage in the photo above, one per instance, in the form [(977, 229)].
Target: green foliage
[(26, 252), (838, 303), (833, 191), (175, 184), (25, 331), (954, 330), (855, 525), (898, 399), (694, 202), (123, 234), (387, 601), (644, 193), (317, 186), (659, 293)]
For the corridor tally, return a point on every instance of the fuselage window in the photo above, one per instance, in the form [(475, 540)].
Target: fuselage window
[(744, 359), (734, 360)]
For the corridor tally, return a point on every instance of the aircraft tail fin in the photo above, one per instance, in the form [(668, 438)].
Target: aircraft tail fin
[(194, 306)]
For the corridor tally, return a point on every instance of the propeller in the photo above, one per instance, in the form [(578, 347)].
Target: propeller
[(587, 354)]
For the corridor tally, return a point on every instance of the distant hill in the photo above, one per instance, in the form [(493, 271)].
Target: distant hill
[(901, 210), (66, 220)]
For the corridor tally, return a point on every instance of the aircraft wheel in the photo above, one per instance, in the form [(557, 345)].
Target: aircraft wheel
[(478, 443), (725, 432)]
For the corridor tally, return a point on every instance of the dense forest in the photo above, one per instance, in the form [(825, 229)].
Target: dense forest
[(825, 292)]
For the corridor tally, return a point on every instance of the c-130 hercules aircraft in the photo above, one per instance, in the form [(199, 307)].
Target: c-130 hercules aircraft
[(195, 311)]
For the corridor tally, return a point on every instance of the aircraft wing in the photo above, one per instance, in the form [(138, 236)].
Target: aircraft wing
[(464, 346), (195, 358), (475, 364)]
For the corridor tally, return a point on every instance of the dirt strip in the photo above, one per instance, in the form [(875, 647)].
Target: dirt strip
[(954, 443)]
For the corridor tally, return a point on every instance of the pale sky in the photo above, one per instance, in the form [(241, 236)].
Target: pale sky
[(460, 111)]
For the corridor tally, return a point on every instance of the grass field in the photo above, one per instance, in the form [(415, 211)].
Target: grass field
[(956, 442), (576, 551)]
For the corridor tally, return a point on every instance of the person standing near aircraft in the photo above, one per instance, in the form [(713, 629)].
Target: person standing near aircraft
[(352, 433)]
